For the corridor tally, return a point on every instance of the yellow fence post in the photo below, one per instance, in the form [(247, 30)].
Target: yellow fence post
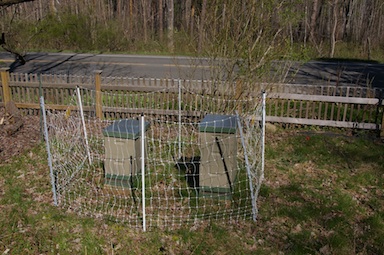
[(99, 106), (239, 93), (5, 83)]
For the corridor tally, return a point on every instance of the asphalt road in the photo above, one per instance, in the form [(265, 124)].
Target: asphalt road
[(338, 72), (111, 65), (335, 72)]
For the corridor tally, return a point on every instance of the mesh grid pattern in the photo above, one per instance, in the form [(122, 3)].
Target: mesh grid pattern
[(203, 162)]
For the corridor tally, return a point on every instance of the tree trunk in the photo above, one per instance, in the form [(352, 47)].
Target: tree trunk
[(187, 15), (192, 22), (201, 27), (53, 9), (144, 14), (160, 19), (312, 27), (334, 28), (170, 20), (130, 29)]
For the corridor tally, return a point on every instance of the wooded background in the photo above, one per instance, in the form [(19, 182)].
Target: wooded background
[(198, 26)]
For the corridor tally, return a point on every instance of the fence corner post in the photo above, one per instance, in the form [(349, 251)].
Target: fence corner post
[(5, 84), (99, 106)]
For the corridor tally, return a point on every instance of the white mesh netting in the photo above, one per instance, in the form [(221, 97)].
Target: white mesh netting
[(203, 157)]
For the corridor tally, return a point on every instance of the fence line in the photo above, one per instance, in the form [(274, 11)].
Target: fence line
[(336, 106), (156, 172)]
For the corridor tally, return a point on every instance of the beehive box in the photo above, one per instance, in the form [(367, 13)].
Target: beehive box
[(122, 151), (218, 150)]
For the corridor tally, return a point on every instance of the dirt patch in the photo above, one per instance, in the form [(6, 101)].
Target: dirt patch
[(26, 137)]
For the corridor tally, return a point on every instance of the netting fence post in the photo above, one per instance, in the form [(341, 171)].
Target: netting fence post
[(83, 122), (179, 136), (41, 117), (263, 114), (142, 125), (263, 136), (53, 183)]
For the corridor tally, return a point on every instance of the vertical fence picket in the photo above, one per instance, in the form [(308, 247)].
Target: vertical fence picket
[(282, 108), (339, 106), (320, 110), (326, 105), (333, 105), (346, 105), (352, 109), (57, 97)]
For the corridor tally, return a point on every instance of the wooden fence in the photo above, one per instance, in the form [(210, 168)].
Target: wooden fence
[(336, 106)]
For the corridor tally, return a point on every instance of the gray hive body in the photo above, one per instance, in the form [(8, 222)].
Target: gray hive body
[(122, 151), (218, 150)]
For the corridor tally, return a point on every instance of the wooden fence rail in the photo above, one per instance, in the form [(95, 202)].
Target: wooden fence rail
[(119, 97)]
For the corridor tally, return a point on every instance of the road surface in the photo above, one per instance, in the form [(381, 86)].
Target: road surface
[(333, 72), (338, 72), (111, 65)]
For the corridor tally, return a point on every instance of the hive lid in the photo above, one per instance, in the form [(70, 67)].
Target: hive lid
[(218, 124), (127, 129)]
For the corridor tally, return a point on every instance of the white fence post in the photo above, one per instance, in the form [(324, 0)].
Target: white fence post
[(142, 125), (53, 182), (83, 122), (179, 136)]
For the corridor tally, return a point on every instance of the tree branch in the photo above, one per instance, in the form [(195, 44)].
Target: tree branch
[(17, 55), (12, 2)]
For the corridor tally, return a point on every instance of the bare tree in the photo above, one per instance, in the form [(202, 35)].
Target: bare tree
[(310, 24), (246, 40)]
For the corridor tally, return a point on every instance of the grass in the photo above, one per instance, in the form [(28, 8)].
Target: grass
[(323, 194), (321, 184)]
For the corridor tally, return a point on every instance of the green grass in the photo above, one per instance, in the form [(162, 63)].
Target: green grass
[(323, 193), (320, 183)]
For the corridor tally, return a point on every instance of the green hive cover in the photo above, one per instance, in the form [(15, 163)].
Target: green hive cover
[(128, 129), (218, 124)]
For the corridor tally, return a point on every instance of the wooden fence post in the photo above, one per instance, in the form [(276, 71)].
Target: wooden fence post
[(5, 83), (99, 106), (239, 92)]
